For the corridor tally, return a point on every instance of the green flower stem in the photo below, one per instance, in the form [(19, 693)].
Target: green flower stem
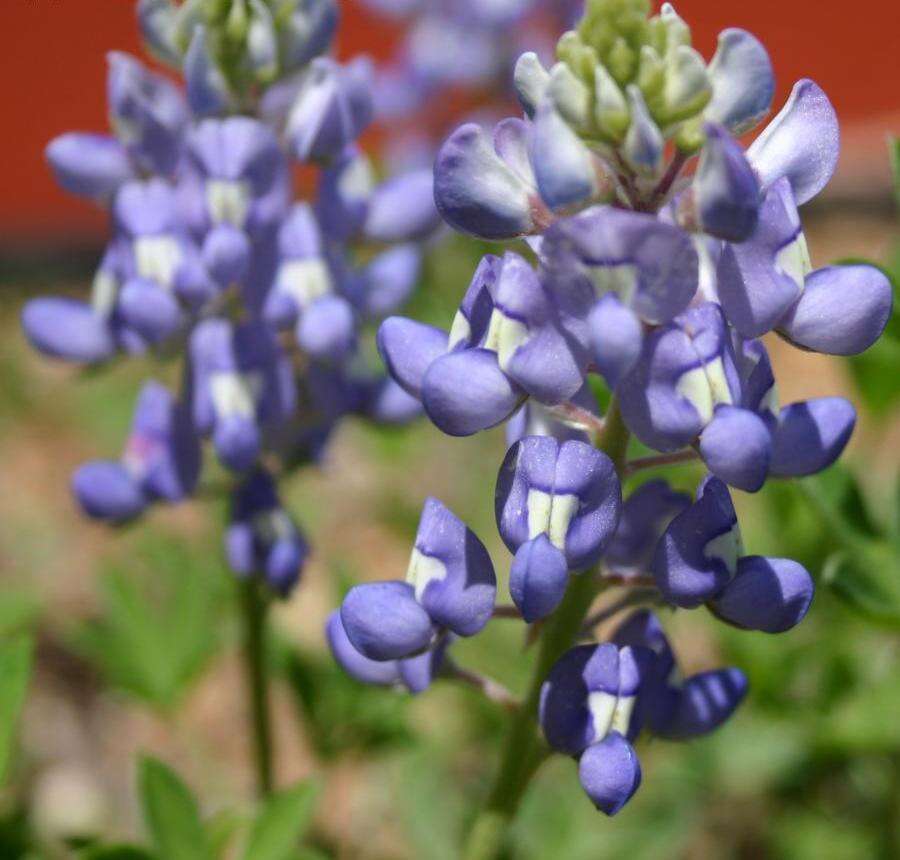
[(524, 749), (254, 609)]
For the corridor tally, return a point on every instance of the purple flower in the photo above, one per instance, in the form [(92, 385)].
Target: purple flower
[(510, 339), (242, 384), (161, 461), (450, 585), (147, 113), (508, 186), (261, 538), (700, 559), (670, 706), (415, 674), (557, 506), (588, 710), (331, 109)]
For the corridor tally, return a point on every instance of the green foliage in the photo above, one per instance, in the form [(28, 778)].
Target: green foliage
[(171, 814), (340, 715), (115, 852), (160, 621), (875, 371), (15, 669), (281, 823)]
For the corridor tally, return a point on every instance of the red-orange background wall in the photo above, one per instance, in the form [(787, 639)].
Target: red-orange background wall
[(53, 70)]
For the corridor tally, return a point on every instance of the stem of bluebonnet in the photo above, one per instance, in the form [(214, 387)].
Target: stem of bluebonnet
[(626, 601), (524, 749), (254, 610), (687, 455)]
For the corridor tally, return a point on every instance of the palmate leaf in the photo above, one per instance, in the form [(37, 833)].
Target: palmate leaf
[(171, 814), (15, 669), (160, 621), (281, 823)]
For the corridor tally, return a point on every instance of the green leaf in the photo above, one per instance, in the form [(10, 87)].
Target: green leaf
[(281, 823), (15, 668), (160, 623), (868, 584), (115, 852), (170, 813)]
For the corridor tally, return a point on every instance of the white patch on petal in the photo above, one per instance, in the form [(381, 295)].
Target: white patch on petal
[(158, 258), (228, 201), (603, 707), (620, 278), (422, 570), (356, 180), (622, 716), (304, 280), (504, 336), (551, 513), (460, 331), (727, 547), (104, 290), (235, 394), (705, 388), (793, 260)]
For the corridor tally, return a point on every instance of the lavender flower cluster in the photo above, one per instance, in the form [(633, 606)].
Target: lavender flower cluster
[(656, 253), (210, 261)]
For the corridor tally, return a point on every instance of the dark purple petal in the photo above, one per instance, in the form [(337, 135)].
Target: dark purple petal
[(538, 578), (107, 491), (610, 773), (737, 447), (811, 435), (768, 594), (645, 514), (726, 190), (384, 621), (381, 673), (452, 572), (207, 89), (237, 442), (759, 279), (704, 702), (699, 551), (239, 549), (226, 254)]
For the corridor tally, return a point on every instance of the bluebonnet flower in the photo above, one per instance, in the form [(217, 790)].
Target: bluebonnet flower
[(161, 461), (588, 710), (242, 383), (700, 559), (557, 506), (413, 674), (208, 259), (450, 585), (671, 706), (509, 339), (261, 538), (662, 250)]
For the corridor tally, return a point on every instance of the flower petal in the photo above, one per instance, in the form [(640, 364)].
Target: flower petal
[(737, 447), (801, 143), (843, 310), (811, 435), (610, 773), (538, 578), (768, 594), (408, 349), (742, 80)]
